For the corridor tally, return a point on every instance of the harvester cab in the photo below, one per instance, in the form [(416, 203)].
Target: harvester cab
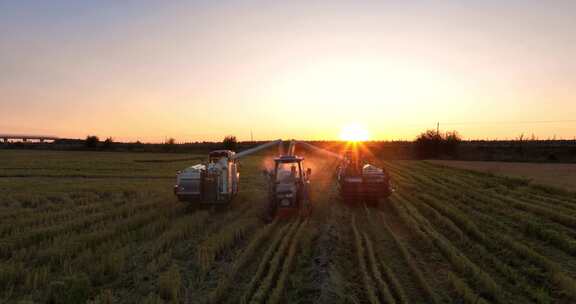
[(351, 162), (214, 182), (288, 187)]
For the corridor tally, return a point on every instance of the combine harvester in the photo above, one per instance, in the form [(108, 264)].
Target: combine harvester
[(358, 181), (288, 186), (214, 182)]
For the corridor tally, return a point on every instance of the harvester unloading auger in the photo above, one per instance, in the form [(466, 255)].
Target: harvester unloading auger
[(216, 181)]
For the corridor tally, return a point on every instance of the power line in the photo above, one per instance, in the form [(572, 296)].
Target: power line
[(509, 122)]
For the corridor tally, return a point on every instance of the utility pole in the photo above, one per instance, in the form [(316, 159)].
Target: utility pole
[(251, 136), (438, 128)]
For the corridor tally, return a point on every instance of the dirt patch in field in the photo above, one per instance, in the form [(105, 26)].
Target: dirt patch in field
[(556, 175)]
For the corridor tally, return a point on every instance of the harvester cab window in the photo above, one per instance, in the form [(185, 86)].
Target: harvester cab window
[(287, 172)]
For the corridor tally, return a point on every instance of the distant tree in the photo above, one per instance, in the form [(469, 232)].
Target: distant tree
[(428, 144), (520, 141), (169, 144), (108, 143), (520, 138), (432, 144), (91, 141), (451, 142), (230, 142), (138, 144)]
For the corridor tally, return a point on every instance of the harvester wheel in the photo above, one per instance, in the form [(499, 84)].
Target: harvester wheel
[(190, 207), (270, 212), (372, 202), (306, 210), (386, 201)]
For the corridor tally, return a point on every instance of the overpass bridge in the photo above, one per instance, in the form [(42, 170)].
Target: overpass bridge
[(27, 137)]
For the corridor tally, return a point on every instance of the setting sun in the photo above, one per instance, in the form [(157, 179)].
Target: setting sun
[(354, 132)]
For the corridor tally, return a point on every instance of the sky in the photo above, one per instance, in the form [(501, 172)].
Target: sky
[(200, 70)]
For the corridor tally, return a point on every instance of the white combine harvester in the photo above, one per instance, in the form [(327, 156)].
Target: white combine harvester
[(214, 182)]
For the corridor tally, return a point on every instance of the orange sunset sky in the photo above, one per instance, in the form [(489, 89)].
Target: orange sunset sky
[(200, 70)]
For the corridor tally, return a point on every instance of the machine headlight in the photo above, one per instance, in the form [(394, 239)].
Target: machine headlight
[(285, 203)]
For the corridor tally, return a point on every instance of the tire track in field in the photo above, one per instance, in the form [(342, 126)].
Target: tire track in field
[(387, 286), (370, 291), (383, 289), (383, 273), (334, 259), (277, 293), (416, 273)]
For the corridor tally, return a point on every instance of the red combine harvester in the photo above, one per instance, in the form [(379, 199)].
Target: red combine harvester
[(357, 181), (361, 182), (288, 187)]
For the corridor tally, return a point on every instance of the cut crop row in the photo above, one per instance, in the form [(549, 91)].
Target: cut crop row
[(247, 254), (371, 292), (278, 291), (211, 248), (488, 258), (267, 272), (559, 278), (460, 262)]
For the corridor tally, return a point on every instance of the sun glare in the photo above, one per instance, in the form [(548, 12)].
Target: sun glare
[(354, 132)]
